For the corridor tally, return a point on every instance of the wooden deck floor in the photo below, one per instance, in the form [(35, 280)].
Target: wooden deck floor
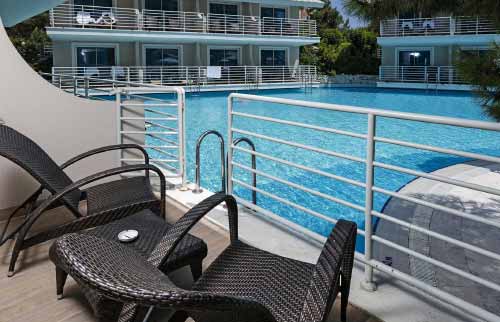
[(30, 295)]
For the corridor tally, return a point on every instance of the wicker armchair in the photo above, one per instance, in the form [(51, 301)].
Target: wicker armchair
[(106, 202), (244, 284)]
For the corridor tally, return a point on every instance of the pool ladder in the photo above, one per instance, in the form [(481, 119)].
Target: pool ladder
[(223, 161)]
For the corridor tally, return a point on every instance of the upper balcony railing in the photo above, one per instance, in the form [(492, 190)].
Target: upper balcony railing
[(437, 26), (83, 17)]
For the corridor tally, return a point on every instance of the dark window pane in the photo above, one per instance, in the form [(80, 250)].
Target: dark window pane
[(153, 56), (279, 13), (231, 58), (103, 3), (415, 58), (267, 12), (279, 57), (105, 57), (85, 57), (224, 57), (153, 4), (231, 9), (217, 8), (170, 5), (216, 57), (170, 57), (93, 57), (266, 58)]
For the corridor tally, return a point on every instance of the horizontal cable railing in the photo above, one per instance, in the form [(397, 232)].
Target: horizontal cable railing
[(437, 26), (421, 74), (186, 75), (371, 139), (80, 16)]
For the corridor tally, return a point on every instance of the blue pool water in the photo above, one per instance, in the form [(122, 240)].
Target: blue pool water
[(209, 111)]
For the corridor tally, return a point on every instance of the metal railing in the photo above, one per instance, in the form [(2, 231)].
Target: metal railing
[(437, 26), (190, 75), (79, 16), (371, 140), (200, 140), (157, 124), (420, 74)]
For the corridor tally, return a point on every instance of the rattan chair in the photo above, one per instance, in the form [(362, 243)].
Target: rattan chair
[(244, 284), (106, 202)]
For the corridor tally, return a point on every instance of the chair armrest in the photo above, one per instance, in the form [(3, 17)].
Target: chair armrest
[(95, 177), (337, 257), (180, 229), (106, 149)]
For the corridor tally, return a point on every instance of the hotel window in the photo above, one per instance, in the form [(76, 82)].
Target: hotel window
[(223, 8), (164, 5), (273, 12), (95, 57), (162, 57), (97, 3), (414, 58), (273, 57), (224, 57)]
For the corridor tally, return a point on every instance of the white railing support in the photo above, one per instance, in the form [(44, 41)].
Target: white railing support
[(367, 258), (367, 284)]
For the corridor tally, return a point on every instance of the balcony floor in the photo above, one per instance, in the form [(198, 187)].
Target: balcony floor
[(30, 294)]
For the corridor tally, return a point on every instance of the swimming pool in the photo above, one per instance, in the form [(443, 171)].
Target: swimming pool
[(208, 111)]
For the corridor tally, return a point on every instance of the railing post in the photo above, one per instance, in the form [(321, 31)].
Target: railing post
[(181, 103), (229, 174), (477, 25), (453, 26), (75, 86), (86, 85), (367, 284)]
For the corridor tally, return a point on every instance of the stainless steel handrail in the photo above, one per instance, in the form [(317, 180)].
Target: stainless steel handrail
[(254, 164), (198, 188)]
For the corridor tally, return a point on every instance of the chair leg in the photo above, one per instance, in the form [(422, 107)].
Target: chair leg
[(61, 277), (15, 254), (344, 299), (196, 270)]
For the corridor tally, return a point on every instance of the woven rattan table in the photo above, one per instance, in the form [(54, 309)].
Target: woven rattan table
[(151, 227)]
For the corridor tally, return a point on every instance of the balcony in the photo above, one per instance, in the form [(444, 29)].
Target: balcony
[(197, 76), (439, 26), (420, 74), (128, 19)]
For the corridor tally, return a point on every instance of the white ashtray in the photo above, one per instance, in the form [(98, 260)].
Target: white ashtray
[(128, 236)]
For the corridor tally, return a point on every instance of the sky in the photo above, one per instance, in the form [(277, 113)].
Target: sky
[(353, 21)]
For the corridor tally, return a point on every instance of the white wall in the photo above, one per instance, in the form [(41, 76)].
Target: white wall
[(61, 123)]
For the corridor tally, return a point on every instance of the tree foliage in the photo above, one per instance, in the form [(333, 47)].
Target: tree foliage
[(342, 50), (30, 39), (483, 70)]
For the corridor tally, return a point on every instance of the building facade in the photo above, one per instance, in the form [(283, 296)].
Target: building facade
[(174, 42), (420, 53)]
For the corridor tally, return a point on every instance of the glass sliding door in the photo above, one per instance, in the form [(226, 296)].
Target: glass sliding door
[(96, 61), (273, 57), (413, 66), (163, 65), (273, 62), (224, 57), (273, 20), (162, 57), (163, 5), (223, 18)]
